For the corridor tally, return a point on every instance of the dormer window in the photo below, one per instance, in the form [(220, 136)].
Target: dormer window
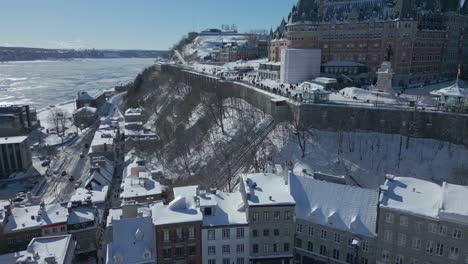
[(208, 211)]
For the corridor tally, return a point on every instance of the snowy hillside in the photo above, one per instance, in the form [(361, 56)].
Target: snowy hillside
[(368, 157), (203, 45)]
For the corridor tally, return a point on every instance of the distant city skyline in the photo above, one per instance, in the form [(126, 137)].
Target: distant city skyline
[(146, 24)]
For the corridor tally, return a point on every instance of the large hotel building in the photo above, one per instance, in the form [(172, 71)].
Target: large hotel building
[(428, 41)]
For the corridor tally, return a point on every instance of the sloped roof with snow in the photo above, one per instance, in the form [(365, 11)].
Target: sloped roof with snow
[(412, 196), (84, 96), (82, 214), (41, 250), (266, 189), (344, 207), (229, 209), (35, 216), (133, 241), (12, 140), (452, 91), (86, 110)]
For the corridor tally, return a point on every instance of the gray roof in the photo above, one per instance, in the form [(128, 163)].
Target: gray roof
[(344, 207)]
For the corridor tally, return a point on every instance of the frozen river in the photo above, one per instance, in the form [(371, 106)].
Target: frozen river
[(44, 83)]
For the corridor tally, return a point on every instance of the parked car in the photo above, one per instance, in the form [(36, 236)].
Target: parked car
[(45, 163), (64, 173), (78, 184), (86, 145), (82, 155), (71, 178)]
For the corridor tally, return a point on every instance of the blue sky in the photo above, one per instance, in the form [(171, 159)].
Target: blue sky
[(127, 24)]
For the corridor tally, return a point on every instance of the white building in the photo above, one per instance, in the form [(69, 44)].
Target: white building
[(133, 241), (298, 65), (44, 250), (225, 231), (452, 97), (103, 144)]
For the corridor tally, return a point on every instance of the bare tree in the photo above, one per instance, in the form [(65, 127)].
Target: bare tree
[(63, 117), (302, 133), (216, 110), (54, 119)]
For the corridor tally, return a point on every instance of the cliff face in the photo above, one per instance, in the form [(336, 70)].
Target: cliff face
[(201, 133), (198, 131)]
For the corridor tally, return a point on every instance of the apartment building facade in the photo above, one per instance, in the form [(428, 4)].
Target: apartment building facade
[(225, 230), (270, 213), (422, 222)]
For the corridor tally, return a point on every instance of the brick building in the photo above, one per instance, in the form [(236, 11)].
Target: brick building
[(427, 46), (178, 228)]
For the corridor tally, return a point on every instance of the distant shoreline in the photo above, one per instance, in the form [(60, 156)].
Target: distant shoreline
[(71, 59)]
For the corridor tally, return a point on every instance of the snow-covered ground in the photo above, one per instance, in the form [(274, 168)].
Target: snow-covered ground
[(368, 157), (44, 116)]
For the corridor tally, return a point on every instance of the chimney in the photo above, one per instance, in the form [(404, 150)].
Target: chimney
[(129, 210)]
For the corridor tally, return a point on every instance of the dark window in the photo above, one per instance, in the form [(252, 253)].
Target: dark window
[(286, 247), (266, 232), (276, 232), (255, 233), (208, 211), (167, 253), (180, 251), (192, 250), (255, 248), (298, 243)]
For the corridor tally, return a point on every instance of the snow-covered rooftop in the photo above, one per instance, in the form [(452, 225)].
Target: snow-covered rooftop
[(133, 111), (84, 96), (117, 213), (102, 137), (343, 64), (182, 209), (143, 185), (86, 110), (94, 196), (41, 250), (12, 140), (228, 208), (266, 189), (339, 206), (412, 196), (100, 175), (36, 216), (82, 214), (451, 91), (133, 241)]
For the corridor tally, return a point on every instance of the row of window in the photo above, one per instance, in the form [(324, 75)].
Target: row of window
[(267, 248), (179, 252), (400, 259), (228, 261), (226, 249), (179, 234), (226, 233), (434, 228), (432, 247), (325, 235), (266, 232), (266, 216)]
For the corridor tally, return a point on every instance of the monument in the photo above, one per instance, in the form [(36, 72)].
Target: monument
[(385, 75)]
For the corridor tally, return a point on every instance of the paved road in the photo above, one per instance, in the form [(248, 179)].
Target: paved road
[(60, 188)]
